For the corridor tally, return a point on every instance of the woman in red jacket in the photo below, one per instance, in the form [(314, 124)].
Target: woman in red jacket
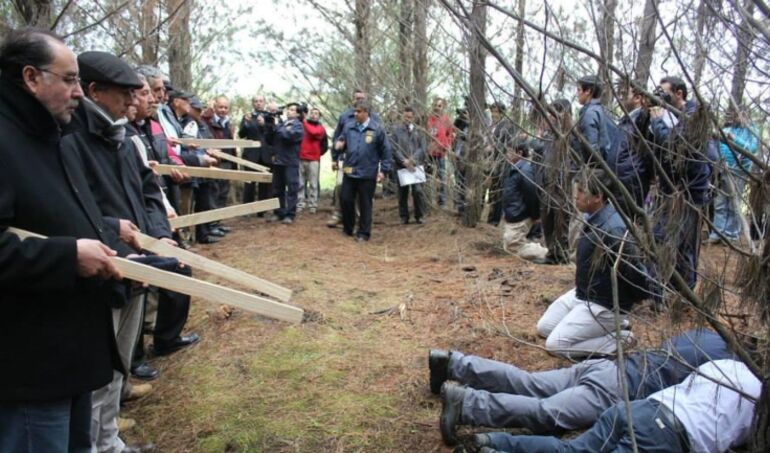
[(314, 144)]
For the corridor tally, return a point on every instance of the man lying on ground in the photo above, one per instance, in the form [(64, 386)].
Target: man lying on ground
[(711, 411), (504, 396)]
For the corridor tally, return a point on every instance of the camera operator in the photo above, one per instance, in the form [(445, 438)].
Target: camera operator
[(286, 140), (259, 126), (685, 161)]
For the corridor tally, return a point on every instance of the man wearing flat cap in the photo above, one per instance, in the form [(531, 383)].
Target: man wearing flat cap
[(129, 198)]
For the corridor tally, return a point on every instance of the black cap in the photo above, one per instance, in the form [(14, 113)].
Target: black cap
[(196, 103), (105, 67), (179, 94)]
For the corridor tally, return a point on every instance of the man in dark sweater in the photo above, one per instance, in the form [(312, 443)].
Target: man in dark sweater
[(521, 207), (581, 322), (502, 395)]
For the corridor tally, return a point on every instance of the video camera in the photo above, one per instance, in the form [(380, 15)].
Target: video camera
[(661, 98)]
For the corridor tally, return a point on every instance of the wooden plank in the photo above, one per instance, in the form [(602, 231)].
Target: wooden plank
[(224, 213), (197, 288), (219, 143), (239, 161), (215, 268), (215, 173)]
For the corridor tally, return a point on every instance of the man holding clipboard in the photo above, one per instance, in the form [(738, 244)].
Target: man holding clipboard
[(409, 154)]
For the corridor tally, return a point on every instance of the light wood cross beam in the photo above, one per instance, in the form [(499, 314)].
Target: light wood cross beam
[(239, 161), (219, 143), (215, 173), (224, 213), (215, 268), (197, 288)]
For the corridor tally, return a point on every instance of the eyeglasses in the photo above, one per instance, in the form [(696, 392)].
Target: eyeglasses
[(71, 80)]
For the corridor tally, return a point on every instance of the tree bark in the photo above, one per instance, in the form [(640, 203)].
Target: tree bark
[(420, 57), (606, 36), (519, 63), (646, 42), (474, 174), (700, 47), (147, 23), (35, 13), (362, 45), (745, 41), (405, 19), (179, 41)]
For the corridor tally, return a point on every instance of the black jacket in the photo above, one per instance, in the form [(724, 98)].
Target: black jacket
[(252, 131), (520, 197), (56, 338), (597, 251), (123, 187)]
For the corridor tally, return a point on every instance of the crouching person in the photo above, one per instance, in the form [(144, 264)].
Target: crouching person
[(520, 204), (581, 322)]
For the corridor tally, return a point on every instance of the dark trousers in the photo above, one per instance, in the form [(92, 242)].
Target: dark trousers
[(460, 188), (403, 201), (173, 310), (46, 427), (204, 201), (222, 186), (555, 224), (495, 198), (682, 237), (609, 434), (362, 191), (286, 188)]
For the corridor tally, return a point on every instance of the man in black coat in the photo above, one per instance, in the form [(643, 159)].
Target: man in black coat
[(126, 192), (57, 342), (259, 126)]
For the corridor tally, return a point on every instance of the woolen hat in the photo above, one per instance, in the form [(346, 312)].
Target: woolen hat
[(103, 67)]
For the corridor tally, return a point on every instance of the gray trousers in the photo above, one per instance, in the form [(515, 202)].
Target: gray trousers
[(308, 176), (105, 402), (504, 396)]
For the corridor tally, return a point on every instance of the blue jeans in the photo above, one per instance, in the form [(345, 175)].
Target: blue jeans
[(727, 219), (46, 427), (609, 434)]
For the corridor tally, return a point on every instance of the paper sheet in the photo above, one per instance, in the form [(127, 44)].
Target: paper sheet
[(407, 178)]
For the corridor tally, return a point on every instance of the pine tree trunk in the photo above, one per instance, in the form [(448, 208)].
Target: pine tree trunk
[(700, 47), (148, 22), (606, 37), (745, 41), (474, 176), (420, 58), (361, 46), (519, 63), (34, 13), (406, 14), (179, 42), (646, 42)]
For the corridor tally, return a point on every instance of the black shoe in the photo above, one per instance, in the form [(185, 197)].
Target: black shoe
[(208, 240), (180, 342), (362, 239), (404, 221), (438, 364), (144, 372), (225, 229), (216, 232), (419, 221), (452, 395)]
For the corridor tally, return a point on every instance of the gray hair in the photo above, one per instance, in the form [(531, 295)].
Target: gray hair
[(149, 72)]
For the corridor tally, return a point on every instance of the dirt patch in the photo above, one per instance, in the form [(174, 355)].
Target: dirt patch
[(353, 376)]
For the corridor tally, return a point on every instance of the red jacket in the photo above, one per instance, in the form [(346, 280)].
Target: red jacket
[(441, 134), (310, 148)]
